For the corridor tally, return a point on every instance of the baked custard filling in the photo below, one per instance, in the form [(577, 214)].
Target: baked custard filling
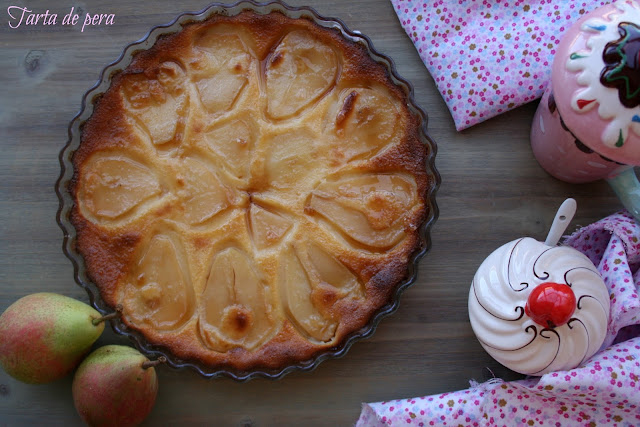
[(251, 190)]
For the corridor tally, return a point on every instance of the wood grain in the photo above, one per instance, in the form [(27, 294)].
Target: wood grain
[(492, 192)]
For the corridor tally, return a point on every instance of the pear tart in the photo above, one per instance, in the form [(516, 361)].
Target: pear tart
[(251, 190)]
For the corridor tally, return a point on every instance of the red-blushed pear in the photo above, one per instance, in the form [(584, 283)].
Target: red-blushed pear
[(115, 386), (44, 336)]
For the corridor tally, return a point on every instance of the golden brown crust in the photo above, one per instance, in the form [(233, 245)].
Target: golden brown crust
[(267, 225)]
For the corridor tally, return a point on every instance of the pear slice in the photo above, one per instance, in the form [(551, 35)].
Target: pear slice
[(234, 308), (115, 185), (365, 122), (267, 227), (203, 194), (292, 157), (160, 292), (300, 70), (327, 270), (297, 296), (221, 68), (233, 142), (218, 92), (368, 208), (158, 103)]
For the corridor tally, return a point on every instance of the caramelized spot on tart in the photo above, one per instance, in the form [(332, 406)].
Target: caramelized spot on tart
[(237, 320), (324, 296), (346, 110), (202, 243), (382, 210), (276, 59)]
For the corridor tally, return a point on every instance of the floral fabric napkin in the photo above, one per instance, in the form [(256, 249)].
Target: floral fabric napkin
[(604, 391), (488, 57)]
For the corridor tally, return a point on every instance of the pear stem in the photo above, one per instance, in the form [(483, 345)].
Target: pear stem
[(151, 363), (109, 316)]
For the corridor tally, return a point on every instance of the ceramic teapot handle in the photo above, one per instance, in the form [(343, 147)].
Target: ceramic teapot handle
[(627, 188)]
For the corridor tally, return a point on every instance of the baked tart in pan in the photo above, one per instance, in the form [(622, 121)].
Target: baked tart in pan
[(253, 185)]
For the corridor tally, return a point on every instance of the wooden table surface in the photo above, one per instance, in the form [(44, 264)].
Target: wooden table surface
[(492, 191)]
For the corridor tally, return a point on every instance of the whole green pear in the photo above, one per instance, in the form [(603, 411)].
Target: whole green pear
[(44, 336), (115, 386)]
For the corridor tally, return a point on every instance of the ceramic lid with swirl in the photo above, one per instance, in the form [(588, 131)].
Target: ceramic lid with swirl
[(536, 307), (596, 81), (520, 283)]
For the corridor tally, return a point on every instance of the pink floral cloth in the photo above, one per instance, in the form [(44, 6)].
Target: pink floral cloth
[(488, 56), (605, 390)]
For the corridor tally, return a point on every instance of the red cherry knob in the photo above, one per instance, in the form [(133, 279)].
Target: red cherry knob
[(551, 304)]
